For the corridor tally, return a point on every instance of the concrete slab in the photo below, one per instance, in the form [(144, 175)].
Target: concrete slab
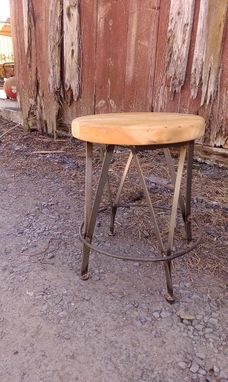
[(9, 109)]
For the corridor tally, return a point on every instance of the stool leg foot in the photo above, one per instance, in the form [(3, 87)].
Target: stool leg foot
[(85, 276)]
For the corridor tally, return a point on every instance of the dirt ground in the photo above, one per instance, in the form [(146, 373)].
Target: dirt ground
[(117, 326)]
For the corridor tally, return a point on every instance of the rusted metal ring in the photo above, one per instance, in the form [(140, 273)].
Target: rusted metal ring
[(174, 255)]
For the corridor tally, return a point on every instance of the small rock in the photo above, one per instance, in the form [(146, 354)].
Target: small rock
[(66, 336), (194, 367), (211, 336), (186, 322), (212, 321), (216, 370), (63, 314), (200, 355), (135, 304), (195, 297), (208, 330), (143, 320), (23, 249), (156, 315), (44, 308), (202, 371), (184, 315), (51, 255), (146, 233), (165, 314), (182, 365), (215, 314), (199, 327), (87, 298), (29, 293)]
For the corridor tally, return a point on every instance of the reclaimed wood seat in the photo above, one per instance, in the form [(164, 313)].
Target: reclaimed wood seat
[(140, 128)]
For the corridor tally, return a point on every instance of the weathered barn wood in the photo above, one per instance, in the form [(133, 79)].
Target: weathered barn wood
[(26, 28), (215, 31), (55, 46), (179, 37), (24, 52), (94, 56), (86, 102), (72, 49), (112, 21), (141, 54), (218, 131), (54, 38), (48, 103), (200, 47), (192, 96)]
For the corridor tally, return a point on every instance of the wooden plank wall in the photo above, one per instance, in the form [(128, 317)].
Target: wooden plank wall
[(129, 55)]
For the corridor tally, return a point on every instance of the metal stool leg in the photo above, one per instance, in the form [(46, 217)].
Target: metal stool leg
[(172, 224), (102, 152), (167, 265), (116, 202), (188, 224), (88, 205), (88, 183), (91, 216), (169, 161)]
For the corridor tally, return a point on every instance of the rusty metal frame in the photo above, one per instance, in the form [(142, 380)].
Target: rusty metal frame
[(167, 253)]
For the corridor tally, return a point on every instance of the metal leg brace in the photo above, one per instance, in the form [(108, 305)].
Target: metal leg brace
[(172, 224), (185, 205), (90, 217), (116, 202), (188, 223)]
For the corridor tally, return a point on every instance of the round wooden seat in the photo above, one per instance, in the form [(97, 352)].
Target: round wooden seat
[(138, 128)]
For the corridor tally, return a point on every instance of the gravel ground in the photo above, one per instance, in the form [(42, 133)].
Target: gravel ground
[(117, 326)]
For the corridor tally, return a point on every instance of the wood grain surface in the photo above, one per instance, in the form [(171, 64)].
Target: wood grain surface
[(138, 128)]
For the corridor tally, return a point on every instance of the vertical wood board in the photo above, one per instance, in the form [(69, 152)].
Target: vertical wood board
[(86, 102), (72, 46), (54, 45), (111, 46), (217, 17), (200, 47), (179, 36), (141, 52)]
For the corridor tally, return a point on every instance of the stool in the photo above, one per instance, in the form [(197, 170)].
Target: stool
[(138, 132)]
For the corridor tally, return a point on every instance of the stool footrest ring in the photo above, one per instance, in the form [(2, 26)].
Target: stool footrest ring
[(174, 255)]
